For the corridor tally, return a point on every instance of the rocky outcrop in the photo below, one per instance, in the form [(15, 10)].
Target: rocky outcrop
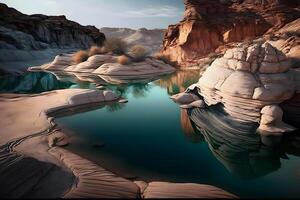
[(150, 38), (208, 25), (106, 65), (39, 32), (250, 81)]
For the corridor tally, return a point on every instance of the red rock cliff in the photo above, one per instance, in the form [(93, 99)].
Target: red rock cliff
[(209, 24)]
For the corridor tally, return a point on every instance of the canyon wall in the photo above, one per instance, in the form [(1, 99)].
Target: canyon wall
[(22, 33), (209, 25)]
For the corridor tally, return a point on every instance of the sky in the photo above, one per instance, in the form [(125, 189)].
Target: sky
[(107, 13)]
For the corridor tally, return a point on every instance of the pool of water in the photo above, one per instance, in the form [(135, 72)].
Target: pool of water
[(150, 138)]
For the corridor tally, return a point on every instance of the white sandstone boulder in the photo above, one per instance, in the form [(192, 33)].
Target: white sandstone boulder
[(250, 82)]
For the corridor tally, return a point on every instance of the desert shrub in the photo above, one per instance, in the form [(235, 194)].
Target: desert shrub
[(123, 60), (80, 56), (116, 45), (138, 53), (96, 50)]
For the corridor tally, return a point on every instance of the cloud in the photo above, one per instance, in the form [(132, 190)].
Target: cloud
[(164, 11)]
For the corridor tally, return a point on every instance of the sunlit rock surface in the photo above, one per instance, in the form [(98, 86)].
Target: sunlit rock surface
[(250, 81), (107, 65), (209, 25), (183, 190)]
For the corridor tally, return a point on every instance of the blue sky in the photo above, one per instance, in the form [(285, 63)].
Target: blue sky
[(107, 13)]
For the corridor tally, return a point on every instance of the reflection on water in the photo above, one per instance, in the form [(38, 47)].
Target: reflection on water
[(188, 128), (237, 146), (31, 83), (179, 81)]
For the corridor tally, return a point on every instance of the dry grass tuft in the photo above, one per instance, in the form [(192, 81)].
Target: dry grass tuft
[(80, 56), (96, 50), (123, 60), (116, 45), (138, 53)]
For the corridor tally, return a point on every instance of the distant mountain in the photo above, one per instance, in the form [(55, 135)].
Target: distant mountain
[(151, 38)]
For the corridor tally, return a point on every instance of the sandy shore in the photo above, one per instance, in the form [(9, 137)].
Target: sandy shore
[(32, 164)]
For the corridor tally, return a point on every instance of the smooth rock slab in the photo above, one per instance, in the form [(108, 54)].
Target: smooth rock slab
[(92, 180), (184, 98), (184, 190)]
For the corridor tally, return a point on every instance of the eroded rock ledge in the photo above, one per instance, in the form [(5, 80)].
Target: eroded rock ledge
[(107, 65), (250, 81)]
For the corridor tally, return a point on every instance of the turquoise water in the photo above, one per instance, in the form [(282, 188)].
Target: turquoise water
[(150, 138)]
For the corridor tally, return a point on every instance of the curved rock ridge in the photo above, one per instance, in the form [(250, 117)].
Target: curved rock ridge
[(92, 180), (107, 65), (208, 25), (183, 190), (36, 119), (250, 81)]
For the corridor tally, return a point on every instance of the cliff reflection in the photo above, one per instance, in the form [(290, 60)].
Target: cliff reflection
[(178, 81), (31, 83), (237, 146), (188, 128)]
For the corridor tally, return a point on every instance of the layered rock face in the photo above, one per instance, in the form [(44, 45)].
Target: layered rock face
[(210, 24), (250, 81), (37, 32), (150, 38)]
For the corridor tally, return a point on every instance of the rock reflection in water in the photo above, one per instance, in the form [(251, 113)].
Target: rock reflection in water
[(188, 128), (237, 146), (31, 83), (178, 81)]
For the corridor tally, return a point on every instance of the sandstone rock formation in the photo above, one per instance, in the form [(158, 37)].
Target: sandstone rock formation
[(250, 81), (150, 38), (155, 190), (20, 32), (210, 24), (107, 65)]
